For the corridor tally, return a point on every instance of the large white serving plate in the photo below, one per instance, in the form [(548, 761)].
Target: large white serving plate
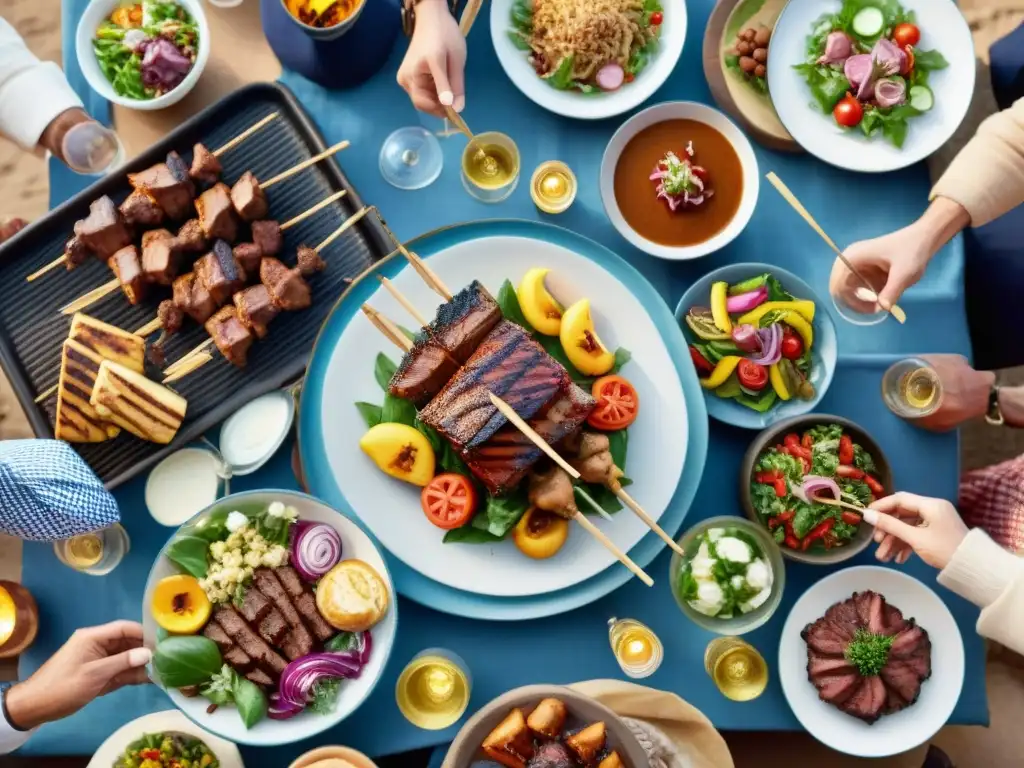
[(169, 721), (391, 509), (589, 106), (943, 28), (891, 734)]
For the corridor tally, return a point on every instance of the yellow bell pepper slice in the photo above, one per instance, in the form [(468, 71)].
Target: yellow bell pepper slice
[(719, 306), (801, 326), (778, 382), (723, 370), (803, 307)]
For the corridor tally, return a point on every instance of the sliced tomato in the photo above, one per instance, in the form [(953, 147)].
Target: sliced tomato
[(751, 375), (768, 478), (617, 403), (908, 64), (876, 487), (449, 500), (807, 441), (798, 452), (850, 518), (906, 34), (845, 470), (791, 439), (845, 450)]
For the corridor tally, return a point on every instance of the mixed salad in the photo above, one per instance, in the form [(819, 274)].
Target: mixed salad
[(680, 182), (864, 66), (167, 750), (146, 49), (727, 574), (753, 344), (824, 462)]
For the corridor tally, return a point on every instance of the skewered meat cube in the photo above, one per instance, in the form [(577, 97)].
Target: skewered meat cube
[(191, 238), (171, 316), (220, 273), (216, 215), (255, 308), (103, 231), (179, 170), (75, 252), (249, 200), (139, 210), (309, 261), (128, 270), (231, 337), (191, 296), (288, 289), (249, 256), (160, 184), (206, 168), (267, 235), (159, 257)]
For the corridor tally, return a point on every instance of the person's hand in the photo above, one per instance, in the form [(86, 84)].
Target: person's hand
[(965, 392), (905, 522), (433, 71), (93, 662)]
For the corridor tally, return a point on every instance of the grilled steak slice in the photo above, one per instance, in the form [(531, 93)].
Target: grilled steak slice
[(304, 603), (249, 200), (267, 235), (216, 216), (510, 364), (75, 252), (903, 679), (231, 337), (191, 296), (127, 267), (255, 606), (220, 272), (159, 257), (837, 689), (862, 602), (876, 615), (261, 678), (191, 238), (463, 322), (139, 210), (503, 461), (287, 288), (894, 621), (103, 231), (309, 261), (424, 370), (206, 169), (160, 184), (266, 658), (248, 256), (255, 309), (298, 642), (828, 666), (273, 628), (171, 316), (215, 632), (824, 638), (845, 613), (239, 660), (907, 641)]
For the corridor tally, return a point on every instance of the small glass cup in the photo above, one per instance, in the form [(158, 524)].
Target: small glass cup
[(861, 308), (433, 690), (637, 649), (911, 389), (92, 149), (738, 670), (96, 553), (496, 148)]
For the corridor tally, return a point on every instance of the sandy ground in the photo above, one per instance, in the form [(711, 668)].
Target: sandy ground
[(23, 192)]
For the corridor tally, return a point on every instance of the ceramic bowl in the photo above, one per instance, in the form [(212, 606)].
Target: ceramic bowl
[(465, 749), (170, 721), (800, 424), (824, 352), (94, 14), (349, 755), (680, 110), (326, 33), (746, 622)]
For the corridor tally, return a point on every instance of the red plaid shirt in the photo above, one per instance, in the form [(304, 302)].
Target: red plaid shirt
[(993, 499)]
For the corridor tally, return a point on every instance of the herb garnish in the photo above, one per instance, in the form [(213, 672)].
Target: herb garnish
[(869, 652)]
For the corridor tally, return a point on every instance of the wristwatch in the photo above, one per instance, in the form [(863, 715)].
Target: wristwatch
[(4, 714), (409, 14), (994, 414)]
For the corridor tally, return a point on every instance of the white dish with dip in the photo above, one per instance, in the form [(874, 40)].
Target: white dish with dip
[(250, 436), (182, 485)]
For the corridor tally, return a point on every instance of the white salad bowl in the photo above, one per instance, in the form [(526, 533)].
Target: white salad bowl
[(168, 721), (680, 110), (225, 721), (98, 10)]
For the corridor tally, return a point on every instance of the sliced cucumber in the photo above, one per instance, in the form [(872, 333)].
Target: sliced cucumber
[(921, 98), (868, 22)]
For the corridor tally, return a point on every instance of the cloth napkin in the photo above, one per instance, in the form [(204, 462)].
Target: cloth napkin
[(674, 734), (48, 493)]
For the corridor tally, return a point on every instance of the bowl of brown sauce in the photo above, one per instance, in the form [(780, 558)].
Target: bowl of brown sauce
[(679, 180), (324, 19)]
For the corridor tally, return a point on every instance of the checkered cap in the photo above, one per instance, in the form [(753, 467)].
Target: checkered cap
[(48, 493)]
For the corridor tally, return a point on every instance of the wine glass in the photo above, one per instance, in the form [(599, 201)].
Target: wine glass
[(411, 157), (862, 307)]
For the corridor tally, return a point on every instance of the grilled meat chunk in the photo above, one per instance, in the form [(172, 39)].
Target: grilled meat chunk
[(206, 168), (179, 170), (170, 315), (160, 184), (215, 632), (273, 628), (128, 268), (249, 200), (159, 257), (231, 337), (298, 642), (192, 298), (309, 261), (220, 272), (266, 658), (255, 606), (103, 231), (248, 255), (191, 238), (242, 662), (255, 309), (304, 603), (216, 216), (424, 370), (75, 252), (287, 288), (267, 234), (139, 210), (551, 490)]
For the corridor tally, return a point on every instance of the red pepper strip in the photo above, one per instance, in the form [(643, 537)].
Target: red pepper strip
[(799, 452), (806, 464), (701, 363), (850, 518), (768, 478), (792, 542), (791, 439), (844, 470), (808, 441), (780, 488), (875, 486), (787, 515), (820, 530), (845, 450)]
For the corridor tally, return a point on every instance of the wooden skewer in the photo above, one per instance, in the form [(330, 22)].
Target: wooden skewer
[(196, 361), (649, 521), (838, 503), (406, 304), (350, 222), (428, 275), (389, 329), (90, 298), (469, 16), (895, 310), (458, 122), (216, 153), (304, 164)]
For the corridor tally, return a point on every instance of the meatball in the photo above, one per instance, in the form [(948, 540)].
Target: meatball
[(762, 36)]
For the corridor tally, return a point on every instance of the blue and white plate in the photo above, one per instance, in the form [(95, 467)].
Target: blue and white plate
[(824, 352), (628, 312)]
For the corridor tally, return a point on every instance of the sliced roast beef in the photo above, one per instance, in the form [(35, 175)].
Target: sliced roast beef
[(216, 632), (894, 621), (862, 601), (305, 603), (825, 666), (893, 701), (255, 606), (876, 615), (239, 660), (868, 700), (902, 679), (827, 637), (907, 641), (298, 642), (266, 657), (845, 614), (262, 679), (838, 688), (273, 627)]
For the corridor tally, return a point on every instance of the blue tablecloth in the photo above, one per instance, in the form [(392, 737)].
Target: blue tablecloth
[(572, 647)]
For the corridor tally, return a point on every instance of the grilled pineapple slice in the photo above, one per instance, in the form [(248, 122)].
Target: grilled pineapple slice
[(77, 420), (109, 342), (548, 718), (612, 761), (510, 742), (145, 408), (588, 743)]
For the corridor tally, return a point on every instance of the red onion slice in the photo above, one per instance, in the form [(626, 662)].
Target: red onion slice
[(315, 550)]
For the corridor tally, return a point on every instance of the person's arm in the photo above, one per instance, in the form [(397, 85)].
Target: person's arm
[(993, 579), (987, 177), (11, 737), (34, 95)]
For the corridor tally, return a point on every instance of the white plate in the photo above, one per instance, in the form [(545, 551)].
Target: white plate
[(680, 110), (892, 734), (579, 105), (943, 28), (225, 721), (391, 509), (168, 721)]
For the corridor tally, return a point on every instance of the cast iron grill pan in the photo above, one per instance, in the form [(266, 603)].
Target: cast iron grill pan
[(32, 331)]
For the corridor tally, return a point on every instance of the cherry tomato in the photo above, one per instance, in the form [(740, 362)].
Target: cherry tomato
[(768, 478), (876, 487), (845, 470), (792, 345), (449, 500), (845, 450), (617, 403), (908, 64), (780, 488), (630, 77), (850, 518), (701, 363), (906, 34), (752, 376), (848, 112), (656, 18), (791, 439), (797, 451)]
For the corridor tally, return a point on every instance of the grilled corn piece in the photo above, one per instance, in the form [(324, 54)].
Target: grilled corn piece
[(77, 420), (109, 342), (143, 407)]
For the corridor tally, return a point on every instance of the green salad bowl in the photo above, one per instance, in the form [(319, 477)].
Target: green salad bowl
[(800, 424)]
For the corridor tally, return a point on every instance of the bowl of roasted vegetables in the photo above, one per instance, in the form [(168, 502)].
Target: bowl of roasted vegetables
[(546, 726), (808, 480)]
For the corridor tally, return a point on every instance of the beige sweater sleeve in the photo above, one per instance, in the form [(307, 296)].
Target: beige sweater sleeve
[(993, 579), (987, 177)]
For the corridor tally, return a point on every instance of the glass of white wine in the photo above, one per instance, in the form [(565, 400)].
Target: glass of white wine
[(96, 553), (490, 167), (434, 688), (738, 670), (911, 388)]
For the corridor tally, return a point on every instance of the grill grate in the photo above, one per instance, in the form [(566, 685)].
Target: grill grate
[(32, 331)]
